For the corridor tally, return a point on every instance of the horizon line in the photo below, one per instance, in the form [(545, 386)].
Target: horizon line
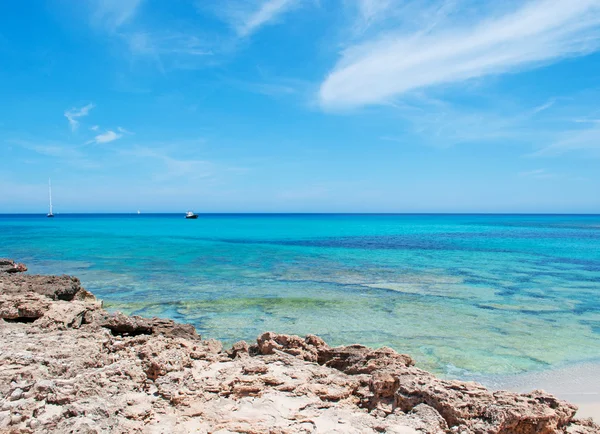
[(305, 213)]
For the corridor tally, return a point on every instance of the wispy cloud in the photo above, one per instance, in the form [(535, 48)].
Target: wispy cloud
[(583, 140), (537, 174), (169, 49), (167, 43), (49, 149), (123, 130), (75, 113), (442, 123), (587, 121), (248, 17), (267, 12), (112, 14), (272, 86), (372, 11), (64, 153), (539, 32), (543, 107), (174, 167), (107, 137)]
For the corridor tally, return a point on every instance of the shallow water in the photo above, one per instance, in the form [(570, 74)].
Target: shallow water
[(466, 295)]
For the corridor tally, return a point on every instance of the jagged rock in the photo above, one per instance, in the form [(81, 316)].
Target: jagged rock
[(584, 426), (10, 266), (358, 359), (66, 365), (307, 348), (65, 288), (473, 406), (239, 349), (25, 308), (123, 325), (352, 359)]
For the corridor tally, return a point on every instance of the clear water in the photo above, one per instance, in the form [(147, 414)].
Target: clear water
[(463, 294)]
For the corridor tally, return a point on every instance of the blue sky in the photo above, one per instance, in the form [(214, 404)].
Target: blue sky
[(300, 105)]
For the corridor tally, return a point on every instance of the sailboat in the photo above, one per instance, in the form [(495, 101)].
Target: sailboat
[(50, 197)]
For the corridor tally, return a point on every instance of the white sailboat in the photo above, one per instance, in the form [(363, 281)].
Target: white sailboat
[(50, 197)]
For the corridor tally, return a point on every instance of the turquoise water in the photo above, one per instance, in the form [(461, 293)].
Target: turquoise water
[(464, 294)]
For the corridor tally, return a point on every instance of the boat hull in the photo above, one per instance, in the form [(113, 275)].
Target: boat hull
[(191, 217)]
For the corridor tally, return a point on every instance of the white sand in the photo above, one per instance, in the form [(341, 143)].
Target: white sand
[(579, 385)]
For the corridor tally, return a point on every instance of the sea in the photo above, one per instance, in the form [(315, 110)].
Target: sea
[(468, 296)]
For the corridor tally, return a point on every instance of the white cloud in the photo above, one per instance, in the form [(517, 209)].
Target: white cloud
[(94, 128), (106, 137), (267, 12), (123, 130), (543, 107), (114, 13), (371, 11), (587, 121), (246, 18), (587, 140), (75, 113), (541, 31)]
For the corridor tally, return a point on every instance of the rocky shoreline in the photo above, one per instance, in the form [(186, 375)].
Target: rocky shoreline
[(67, 365)]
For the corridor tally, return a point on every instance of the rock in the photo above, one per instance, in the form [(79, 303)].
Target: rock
[(64, 288), (123, 325), (16, 394), (24, 308), (358, 359), (472, 406), (239, 349), (10, 266), (307, 349), (585, 426), (430, 417)]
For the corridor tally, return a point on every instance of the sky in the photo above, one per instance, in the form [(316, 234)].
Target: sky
[(300, 106)]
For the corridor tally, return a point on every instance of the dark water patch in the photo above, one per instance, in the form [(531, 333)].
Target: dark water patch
[(582, 309), (524, 310), (487, 307), (575, 222), (593, 265), (384, 242), (508, 291), (538, 295), (521, 235), (498, 330)]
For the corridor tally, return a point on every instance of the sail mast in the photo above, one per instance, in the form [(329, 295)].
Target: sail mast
[(50, 194)]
